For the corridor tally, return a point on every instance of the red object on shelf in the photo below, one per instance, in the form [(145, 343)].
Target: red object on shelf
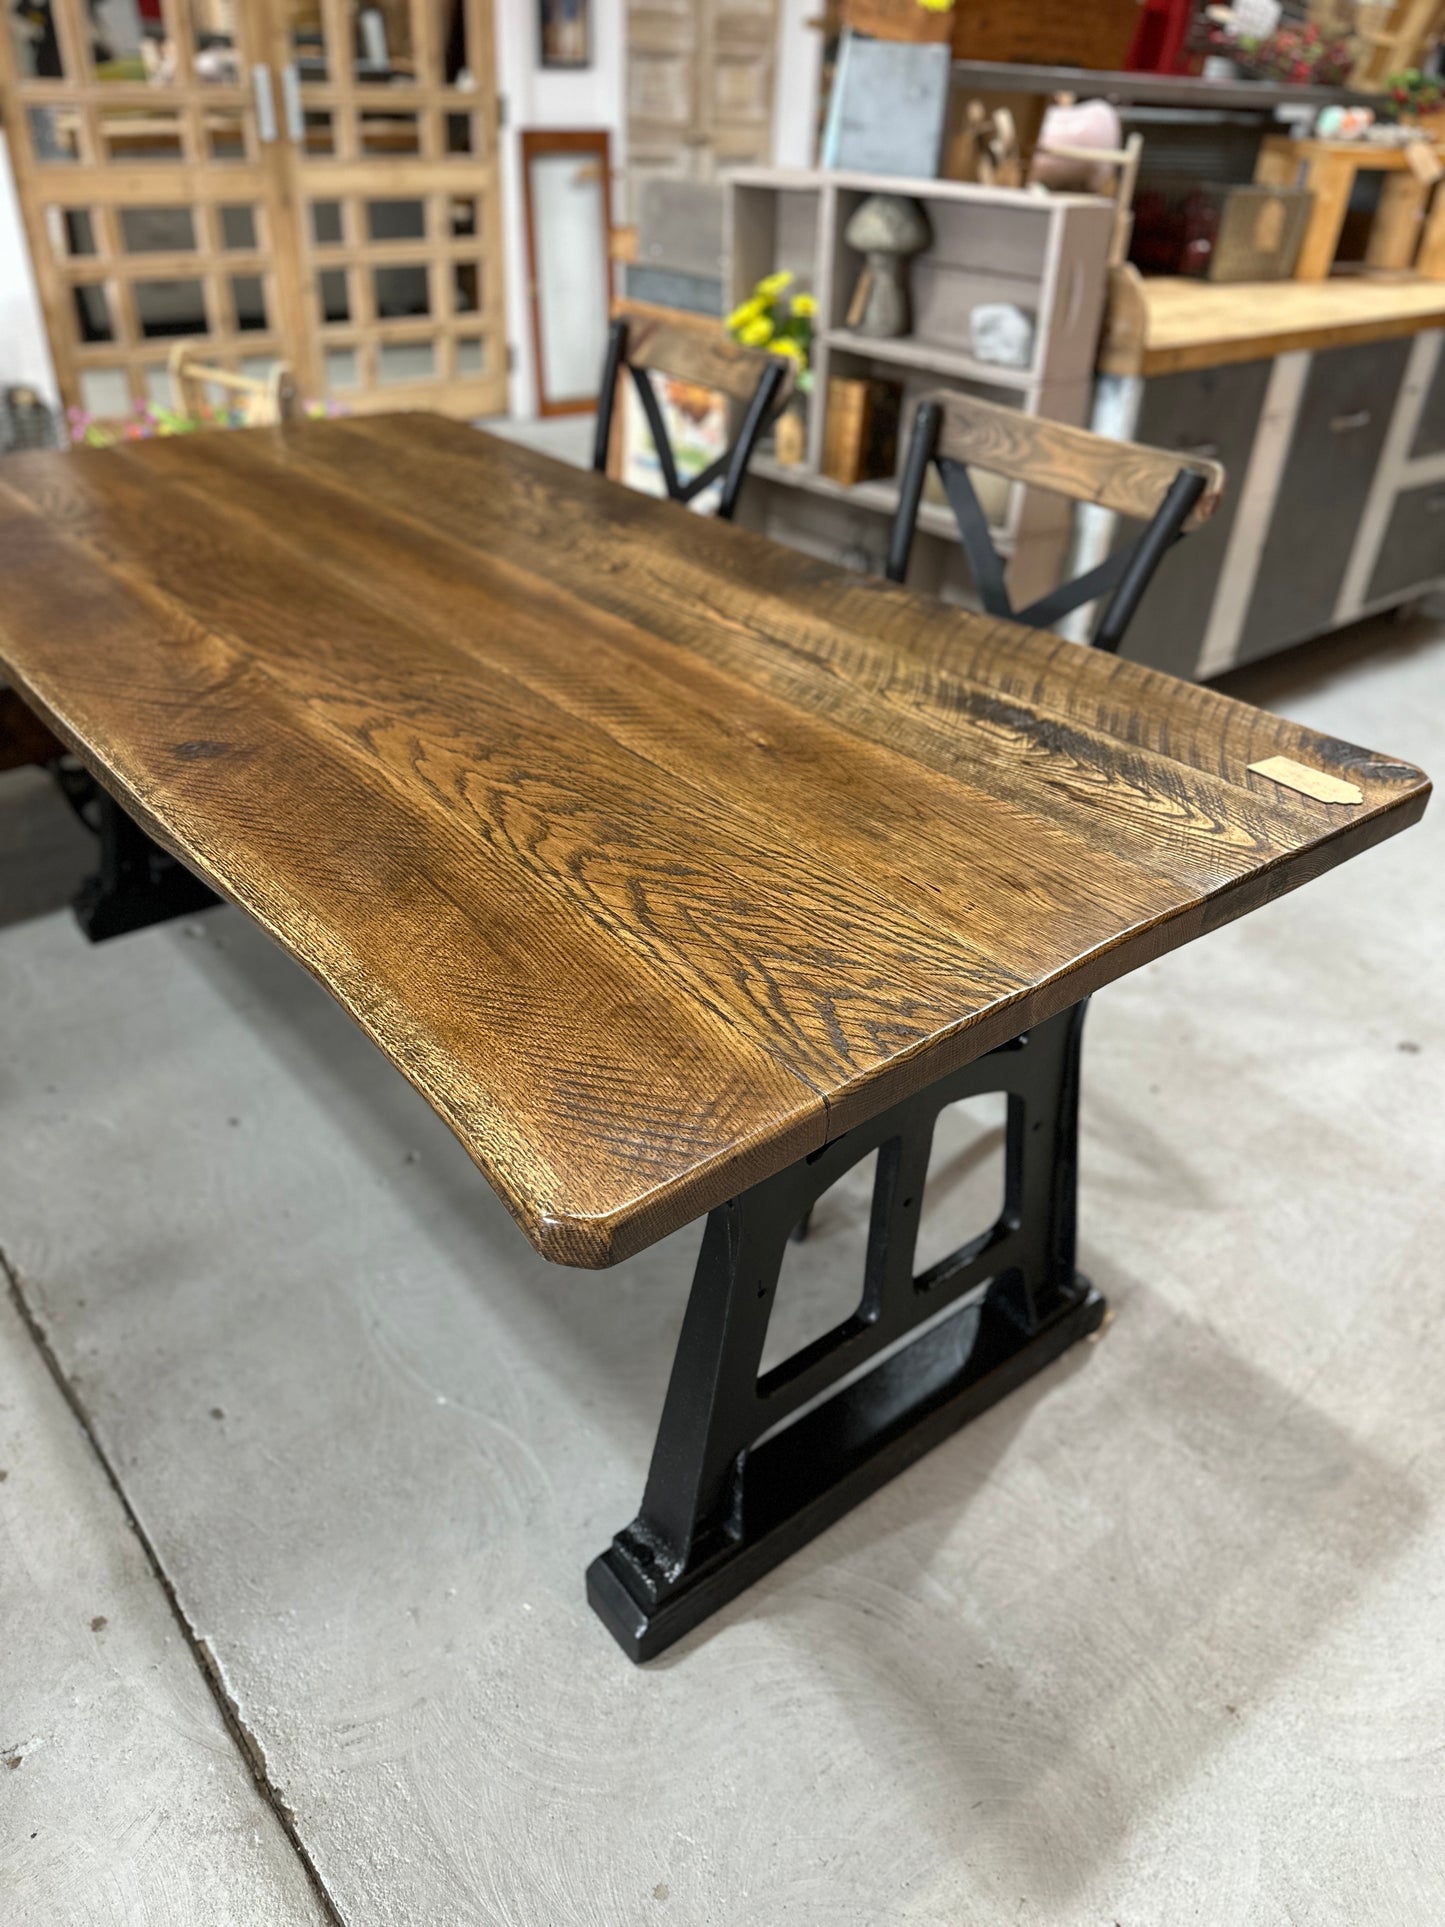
[(1161, 39)]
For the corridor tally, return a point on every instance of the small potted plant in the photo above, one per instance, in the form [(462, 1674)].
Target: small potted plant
[(775, 318), (1417, 98)]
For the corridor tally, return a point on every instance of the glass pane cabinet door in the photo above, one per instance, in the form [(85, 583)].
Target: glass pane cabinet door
[(313, 181), (144, 142), (390, 122)]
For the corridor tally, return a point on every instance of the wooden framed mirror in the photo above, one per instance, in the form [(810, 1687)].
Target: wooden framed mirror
[(567, 191)]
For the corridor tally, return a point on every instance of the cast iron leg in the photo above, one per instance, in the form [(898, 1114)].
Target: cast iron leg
[(138, 883), (733, 1487)]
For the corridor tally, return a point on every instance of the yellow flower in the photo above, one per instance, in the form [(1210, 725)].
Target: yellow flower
[(804, 304), (749, 311), (772, 285), (756, 333), (792, 349), (936, 6)]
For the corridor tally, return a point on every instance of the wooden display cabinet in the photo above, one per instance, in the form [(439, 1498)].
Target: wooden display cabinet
[(1048, 254)]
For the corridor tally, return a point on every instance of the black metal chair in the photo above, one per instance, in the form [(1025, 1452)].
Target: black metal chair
[(751, 376), (1169, 494)]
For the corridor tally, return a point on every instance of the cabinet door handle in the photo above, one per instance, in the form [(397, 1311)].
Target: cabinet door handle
[(1346, 424), (265, 106)]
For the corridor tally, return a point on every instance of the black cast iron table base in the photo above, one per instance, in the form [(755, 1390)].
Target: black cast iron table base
[(749, 1467), (137, 882)]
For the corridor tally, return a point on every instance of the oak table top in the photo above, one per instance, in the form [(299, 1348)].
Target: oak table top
[(654, 854)]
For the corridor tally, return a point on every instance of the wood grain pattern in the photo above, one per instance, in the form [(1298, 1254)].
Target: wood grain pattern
[(1122, 476), (653, 853)]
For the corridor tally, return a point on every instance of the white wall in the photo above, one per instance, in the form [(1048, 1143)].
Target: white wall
[(591, 97), (597, 98), (795, 84), (24, 353)]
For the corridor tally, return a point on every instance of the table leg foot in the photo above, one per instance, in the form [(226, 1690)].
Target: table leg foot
[(138, 883), (749, 1467)]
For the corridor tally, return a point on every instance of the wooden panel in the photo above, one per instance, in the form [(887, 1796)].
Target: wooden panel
[(1121, 476), (699, 89), (1395, 232), (1344, 417), (1056, 32), (703, 355), (653, 854)]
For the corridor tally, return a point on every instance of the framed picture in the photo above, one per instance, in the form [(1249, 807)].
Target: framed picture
[(564, 32)]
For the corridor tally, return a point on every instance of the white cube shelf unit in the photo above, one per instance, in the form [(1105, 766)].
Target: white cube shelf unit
[(1046, 253)]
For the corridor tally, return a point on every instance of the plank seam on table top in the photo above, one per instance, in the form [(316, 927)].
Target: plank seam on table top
[(627, 939), (931, 614), (1119, 936), (984, 696), (988, 696), (474, 560)]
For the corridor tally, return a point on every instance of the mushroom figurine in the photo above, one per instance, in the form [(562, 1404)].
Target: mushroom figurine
[(887, 229)]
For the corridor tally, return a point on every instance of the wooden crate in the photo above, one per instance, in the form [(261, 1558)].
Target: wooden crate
[(1407, 232)]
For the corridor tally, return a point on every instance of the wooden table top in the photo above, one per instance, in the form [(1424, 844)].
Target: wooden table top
[(653, 853)]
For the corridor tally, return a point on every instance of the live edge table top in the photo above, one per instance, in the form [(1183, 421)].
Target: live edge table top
[(654, 854)]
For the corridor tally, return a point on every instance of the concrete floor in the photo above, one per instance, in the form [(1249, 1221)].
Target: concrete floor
[(1156, 1641)]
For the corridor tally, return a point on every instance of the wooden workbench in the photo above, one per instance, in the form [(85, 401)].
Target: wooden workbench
[(1325, 402), (1165, 325)]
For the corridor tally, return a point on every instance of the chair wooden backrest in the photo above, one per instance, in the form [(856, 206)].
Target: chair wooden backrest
[(262, 403), (1171, 494), (751, 376)]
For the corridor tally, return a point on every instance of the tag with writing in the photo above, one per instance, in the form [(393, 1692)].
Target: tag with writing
[(1317, 783)]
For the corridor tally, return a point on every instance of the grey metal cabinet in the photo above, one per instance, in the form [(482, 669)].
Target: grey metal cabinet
[(1211, 411), (1413, 551), (1343, 419), (1430, 431)]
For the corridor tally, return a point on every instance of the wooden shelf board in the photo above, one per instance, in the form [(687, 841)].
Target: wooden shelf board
[(1168, 324), (805, 180), (1151, 90), (934, 357)]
